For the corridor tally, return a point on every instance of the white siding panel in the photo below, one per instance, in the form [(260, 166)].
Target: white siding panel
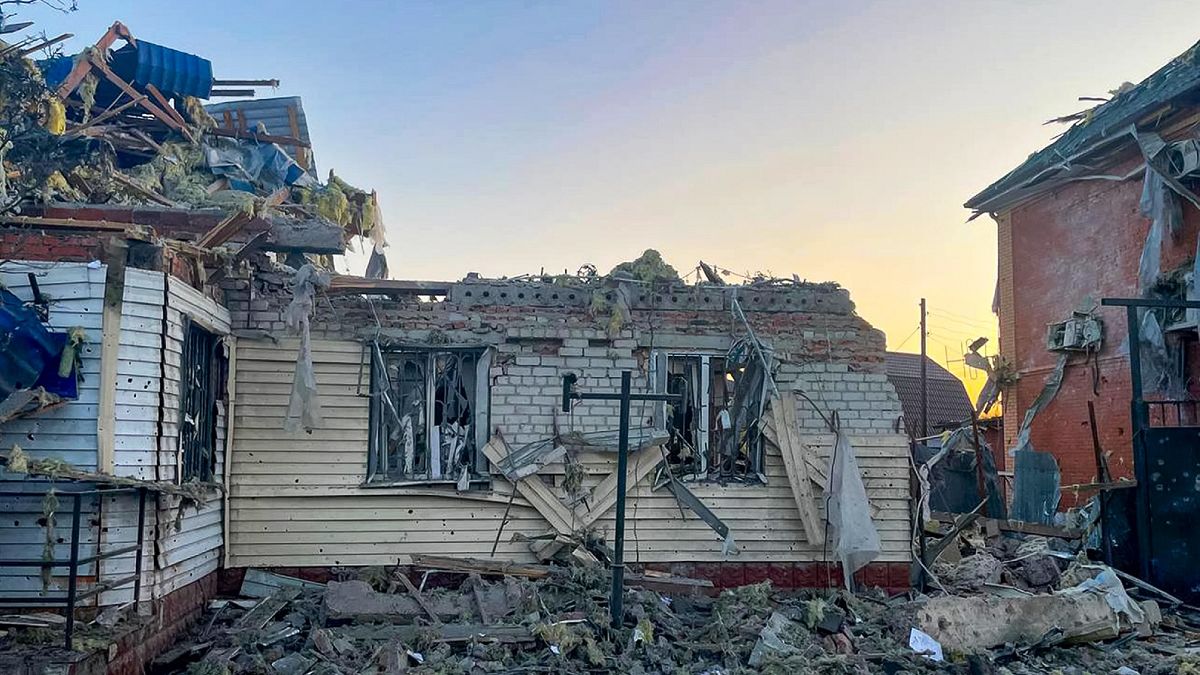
[(188, 545), (76, 294)]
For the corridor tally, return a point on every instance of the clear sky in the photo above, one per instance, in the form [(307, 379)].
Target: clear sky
[(834, 140)]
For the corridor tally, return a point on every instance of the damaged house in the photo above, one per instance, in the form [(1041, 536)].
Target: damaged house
[(1107, 212), (191, 392)]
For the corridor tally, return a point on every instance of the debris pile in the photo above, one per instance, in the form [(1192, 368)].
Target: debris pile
[(488, 617), (128, 125)]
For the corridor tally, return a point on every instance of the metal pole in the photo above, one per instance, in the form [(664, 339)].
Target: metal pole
[(73, 579), (980, 483), (141, 537), (1139, 439), (924, 379), (618, 567)]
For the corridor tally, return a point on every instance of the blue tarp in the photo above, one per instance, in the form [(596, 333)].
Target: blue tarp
[(173, 72), (29, 351)]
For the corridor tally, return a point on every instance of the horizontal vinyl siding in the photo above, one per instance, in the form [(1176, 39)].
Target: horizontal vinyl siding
[(173, 556), (296, 498), (76, 294)]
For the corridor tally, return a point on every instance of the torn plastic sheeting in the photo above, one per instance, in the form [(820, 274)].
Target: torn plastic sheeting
[(304, 406), (1107, 584), (261, 165), (1156, 361), (1049, 391), (1158, 204), (855, 539)]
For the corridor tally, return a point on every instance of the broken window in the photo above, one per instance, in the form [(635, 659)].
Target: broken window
[(428, 415), (709, 439), (201, 384)]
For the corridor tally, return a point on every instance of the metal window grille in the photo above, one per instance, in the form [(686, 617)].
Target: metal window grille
[(202, 378)]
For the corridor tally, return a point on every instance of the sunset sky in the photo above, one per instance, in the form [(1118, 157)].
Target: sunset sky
[(836, 141)]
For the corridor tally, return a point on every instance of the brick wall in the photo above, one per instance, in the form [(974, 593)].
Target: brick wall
[(1081, 241), (542, 331)]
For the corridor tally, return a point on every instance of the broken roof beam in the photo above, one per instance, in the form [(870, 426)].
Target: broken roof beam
[(341, 284), (83, 66)]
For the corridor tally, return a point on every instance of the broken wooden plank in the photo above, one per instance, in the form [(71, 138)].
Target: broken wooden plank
[(261, 584), (793, 450), (82, 66), (133, 187), (604, 497), (418, 596), (164, 117), (478, 566), (536, 492), (266, 610), (817, 468), (671, 585), (66, 223), (233, 223)]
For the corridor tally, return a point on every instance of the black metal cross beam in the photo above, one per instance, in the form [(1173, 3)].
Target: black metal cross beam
[(616, 607)]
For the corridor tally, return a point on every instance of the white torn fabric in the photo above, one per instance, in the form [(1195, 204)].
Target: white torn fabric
[(304, 406), (855, 539), (377, 265), (1107, 584)]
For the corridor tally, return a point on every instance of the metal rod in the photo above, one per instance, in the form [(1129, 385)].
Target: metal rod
[(924, 378), (73, 579), (618, 571), (141, 536), (980, 483), (1138, 416), (1139, 302), (245, 83)]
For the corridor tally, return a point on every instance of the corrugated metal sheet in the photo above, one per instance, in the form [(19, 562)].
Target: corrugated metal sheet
[(170, 70), (297, 499), (274, 114)]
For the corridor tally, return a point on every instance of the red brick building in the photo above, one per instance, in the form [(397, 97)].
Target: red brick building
[(1070, 232)]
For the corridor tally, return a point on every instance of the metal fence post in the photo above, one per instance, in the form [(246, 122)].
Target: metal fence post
[(141, 535), (73, 579)]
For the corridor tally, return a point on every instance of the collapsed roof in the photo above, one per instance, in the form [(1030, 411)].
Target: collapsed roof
[(1105, 127), (126, 126)]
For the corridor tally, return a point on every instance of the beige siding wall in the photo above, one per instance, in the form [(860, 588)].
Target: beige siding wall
[(296, 499)]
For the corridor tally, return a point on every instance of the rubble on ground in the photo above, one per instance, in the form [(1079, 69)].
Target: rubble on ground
[(471, 619)]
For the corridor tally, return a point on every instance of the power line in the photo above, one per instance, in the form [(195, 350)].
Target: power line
[(977, 325), (959, 317), (910, 336)]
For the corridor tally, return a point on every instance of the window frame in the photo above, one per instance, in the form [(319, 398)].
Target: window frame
[(480, 413), (196, 442), (659, 375)]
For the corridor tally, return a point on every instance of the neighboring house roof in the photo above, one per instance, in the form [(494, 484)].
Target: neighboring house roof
[(947, 398), (1105, 123)]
